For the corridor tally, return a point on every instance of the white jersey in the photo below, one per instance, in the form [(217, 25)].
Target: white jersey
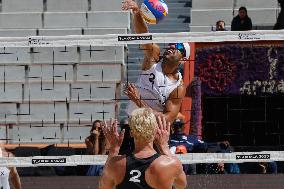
[(4, 175), (154, 88), (4, 178)]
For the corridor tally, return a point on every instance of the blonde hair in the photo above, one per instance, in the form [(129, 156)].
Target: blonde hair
[(143, 124)]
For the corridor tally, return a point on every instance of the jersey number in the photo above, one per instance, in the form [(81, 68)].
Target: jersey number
[(135, 176)]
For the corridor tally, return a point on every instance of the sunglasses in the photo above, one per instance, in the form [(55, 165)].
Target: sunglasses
[(179, 47)]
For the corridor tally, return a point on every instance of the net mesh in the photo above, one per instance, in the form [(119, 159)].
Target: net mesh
[(54, 88)]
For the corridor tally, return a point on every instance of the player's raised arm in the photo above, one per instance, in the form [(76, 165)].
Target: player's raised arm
[(151, 50), (139, 24)]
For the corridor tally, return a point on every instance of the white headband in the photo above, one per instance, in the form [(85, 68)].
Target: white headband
[(187, 50)]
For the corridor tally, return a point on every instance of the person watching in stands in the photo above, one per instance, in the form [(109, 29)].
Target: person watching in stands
[(241, 22), (220, 25), (96, 145)]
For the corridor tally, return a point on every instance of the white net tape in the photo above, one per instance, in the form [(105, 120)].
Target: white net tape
[(125, 39), (115, 39), (190, 158)]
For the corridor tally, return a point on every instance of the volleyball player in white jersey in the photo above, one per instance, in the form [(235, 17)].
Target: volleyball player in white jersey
[(160, 85), (8, 173)]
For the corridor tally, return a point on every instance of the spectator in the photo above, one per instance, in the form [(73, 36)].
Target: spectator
[(267, 167), (178, 137), (127, 145), (272, 167), (181, 149), (96, 145), (241, 22), (95, 142), (220, 25), (280, 20), (229, 168), (259, 168), (180, 144)]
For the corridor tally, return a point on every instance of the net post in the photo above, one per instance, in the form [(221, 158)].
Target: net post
[(188, 77)]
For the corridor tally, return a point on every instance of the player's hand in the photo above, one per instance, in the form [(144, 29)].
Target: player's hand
[(132, 92), (96, 132), (130, 5), (111, 134), (163, 133)]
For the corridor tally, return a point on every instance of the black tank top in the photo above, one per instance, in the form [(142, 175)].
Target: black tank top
[(135, 172)]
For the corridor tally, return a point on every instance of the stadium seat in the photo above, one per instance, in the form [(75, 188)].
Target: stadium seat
[(76, 134), (8, 111), (209, 4), (86, 112), (46, 92), (62, 55), (201, 28), (12, 74), (60, 32), (106, 54), (65, 20), (103, 31), (93, 91), (210, 16), (15, 55), (67, 5), (17, 32), (35, 134), (50, 73), (22, 6), (98, 72), (109, 19), (12, 92), (98, 5), (20, 20), (261, 4), (46, 112), (42, 84)]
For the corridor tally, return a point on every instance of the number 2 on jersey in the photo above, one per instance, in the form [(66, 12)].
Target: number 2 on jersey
[(135, 176)]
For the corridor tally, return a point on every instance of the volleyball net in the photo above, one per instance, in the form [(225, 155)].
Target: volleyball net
[(190, 158), (54, 87)]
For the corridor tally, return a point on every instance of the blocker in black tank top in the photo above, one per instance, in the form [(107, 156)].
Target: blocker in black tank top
[(135, 172)]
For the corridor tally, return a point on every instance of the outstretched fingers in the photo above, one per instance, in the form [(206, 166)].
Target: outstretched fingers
[(169, 128), (121, 135), (106, 130), (164, 123)]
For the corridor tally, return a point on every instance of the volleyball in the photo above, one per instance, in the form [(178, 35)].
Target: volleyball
[(153, 11)]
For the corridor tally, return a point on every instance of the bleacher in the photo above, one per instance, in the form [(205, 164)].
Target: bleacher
[(205, 13), (52, 95)]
